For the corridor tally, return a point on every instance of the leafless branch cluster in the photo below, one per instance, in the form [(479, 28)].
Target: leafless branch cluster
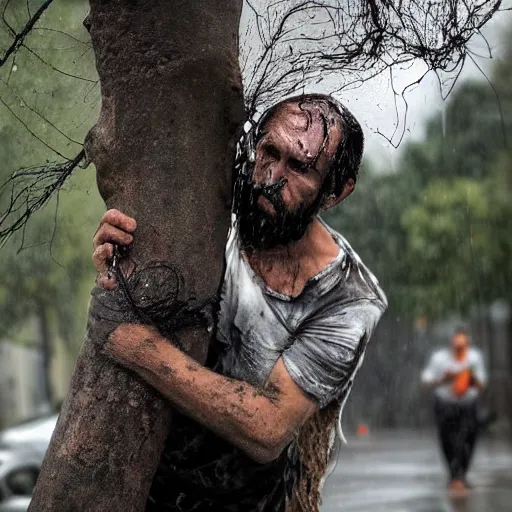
[(18, 37), (296, 44), (28, 190), (24, 37)]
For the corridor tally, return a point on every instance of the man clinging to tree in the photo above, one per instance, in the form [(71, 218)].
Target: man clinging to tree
[(297, 309)]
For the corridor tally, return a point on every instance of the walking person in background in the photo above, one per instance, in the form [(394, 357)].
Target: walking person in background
[(458, 375)]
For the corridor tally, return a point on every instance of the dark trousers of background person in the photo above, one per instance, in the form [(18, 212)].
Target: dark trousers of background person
[(457, 426)]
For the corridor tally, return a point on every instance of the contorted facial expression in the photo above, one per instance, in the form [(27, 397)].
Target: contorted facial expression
[(296, 145)]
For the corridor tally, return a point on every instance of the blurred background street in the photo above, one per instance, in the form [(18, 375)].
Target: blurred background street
[(402, 472)]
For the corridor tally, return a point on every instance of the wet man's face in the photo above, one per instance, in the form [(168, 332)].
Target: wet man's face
[(285, 192)]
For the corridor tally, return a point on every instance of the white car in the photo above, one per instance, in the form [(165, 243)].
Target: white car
[(32, 435), (19, 470), (22, 449)]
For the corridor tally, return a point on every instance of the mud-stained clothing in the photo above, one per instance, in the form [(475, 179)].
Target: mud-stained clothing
[(321, 336)]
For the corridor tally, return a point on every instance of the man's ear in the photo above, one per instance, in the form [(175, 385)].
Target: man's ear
[(348, 188)]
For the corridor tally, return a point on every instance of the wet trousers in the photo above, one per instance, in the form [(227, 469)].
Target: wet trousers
[(457, 427)]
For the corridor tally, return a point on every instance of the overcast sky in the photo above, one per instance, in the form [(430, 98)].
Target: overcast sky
[(377, 108)]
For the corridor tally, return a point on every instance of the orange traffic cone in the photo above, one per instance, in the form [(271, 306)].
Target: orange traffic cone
[(362, 430)]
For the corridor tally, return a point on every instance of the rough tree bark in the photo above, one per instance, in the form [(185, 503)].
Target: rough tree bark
[(163, 148)]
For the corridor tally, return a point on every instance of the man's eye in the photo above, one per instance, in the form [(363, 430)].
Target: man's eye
[(272, 152), (298, 166)]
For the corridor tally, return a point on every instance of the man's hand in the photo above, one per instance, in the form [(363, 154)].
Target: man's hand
[(475, 383), (448, 376), (115, 228)]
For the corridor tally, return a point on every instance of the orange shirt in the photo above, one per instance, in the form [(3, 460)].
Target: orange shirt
[(461, 382)]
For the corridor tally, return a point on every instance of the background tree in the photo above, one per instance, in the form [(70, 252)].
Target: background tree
[(45, 268), (443, 208)]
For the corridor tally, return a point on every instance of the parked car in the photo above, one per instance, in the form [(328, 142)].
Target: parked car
[(22, 449), (33, 435), (19, 469)]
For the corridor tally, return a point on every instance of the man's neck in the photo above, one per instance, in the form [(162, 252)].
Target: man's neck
[(287, 268)]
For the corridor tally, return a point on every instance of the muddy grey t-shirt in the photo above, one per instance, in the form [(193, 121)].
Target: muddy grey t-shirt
[(321, 336)]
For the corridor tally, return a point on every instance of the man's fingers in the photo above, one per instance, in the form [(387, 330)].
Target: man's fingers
[(119, 220), (110, 234), (115, 228), (101, 255), (100, 259), (106, 283)]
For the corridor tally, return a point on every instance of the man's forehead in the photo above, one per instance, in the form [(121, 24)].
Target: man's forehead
[(306, 122), (299, 117)]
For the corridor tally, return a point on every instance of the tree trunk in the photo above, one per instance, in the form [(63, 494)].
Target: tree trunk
[(163, 148)]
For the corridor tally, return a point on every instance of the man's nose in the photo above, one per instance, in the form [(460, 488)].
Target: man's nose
[(275, 173)]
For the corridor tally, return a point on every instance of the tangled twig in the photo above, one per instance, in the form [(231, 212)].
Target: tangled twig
[(19, 37), (28, 190), (297, 44)]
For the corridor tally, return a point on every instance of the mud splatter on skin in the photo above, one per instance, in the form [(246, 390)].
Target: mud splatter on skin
[(148, 343), (241, 392), (270, 391), (166, 370)]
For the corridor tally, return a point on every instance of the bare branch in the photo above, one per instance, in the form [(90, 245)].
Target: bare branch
[(51, 66), (47, 29), (30, 190), (297, 44), (24, 103), (29, 130), (20, 37)]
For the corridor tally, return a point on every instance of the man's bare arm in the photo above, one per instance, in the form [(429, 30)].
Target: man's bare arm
[(260, 422)]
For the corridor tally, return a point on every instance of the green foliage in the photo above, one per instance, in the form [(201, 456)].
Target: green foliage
[(436, 232), (449, 236), (43, 106)]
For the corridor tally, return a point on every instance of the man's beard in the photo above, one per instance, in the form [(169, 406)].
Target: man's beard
[(260, 230)]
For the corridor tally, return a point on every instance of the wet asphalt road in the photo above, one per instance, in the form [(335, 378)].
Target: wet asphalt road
[(403, 472)]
